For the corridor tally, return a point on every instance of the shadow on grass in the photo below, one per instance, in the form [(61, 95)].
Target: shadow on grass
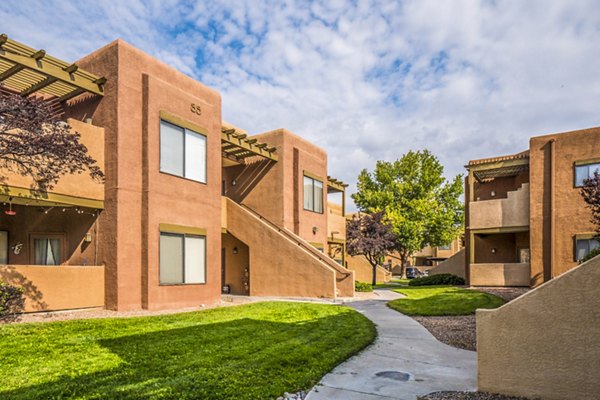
[(239, 359)]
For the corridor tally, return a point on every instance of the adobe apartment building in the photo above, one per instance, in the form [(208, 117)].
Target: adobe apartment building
[(191, 207), (526, 221)]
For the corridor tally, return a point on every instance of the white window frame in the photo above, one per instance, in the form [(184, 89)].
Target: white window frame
[(314, 197), (591, 168)]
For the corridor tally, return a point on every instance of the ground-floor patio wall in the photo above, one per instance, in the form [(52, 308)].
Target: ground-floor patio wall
[(363, 271), (500, 274), (60, 287), (546, 343)]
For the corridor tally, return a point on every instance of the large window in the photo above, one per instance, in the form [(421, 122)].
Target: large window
[(313, 194), (182, 152), (182, 258), (583, 172), (584, 246), (47, 249)]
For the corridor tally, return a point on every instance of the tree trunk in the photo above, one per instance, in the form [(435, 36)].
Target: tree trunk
[(374, 274)]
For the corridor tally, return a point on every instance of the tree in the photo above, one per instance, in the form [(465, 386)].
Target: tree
[(422, 207), (369, 236), (35, 143), (591, 195)]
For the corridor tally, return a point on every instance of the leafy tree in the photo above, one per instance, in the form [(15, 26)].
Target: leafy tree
[(422, 207), (367, 235), (591, 195), (35, 143)]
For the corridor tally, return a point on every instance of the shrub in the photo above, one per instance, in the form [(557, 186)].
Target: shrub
[(363, 287), (590, 255), (12, 302), (441, 279)]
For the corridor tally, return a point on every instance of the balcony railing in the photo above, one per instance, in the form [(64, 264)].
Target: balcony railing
[(513, 211)]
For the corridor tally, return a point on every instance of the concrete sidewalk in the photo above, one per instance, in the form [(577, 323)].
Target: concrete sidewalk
[(404, 361)]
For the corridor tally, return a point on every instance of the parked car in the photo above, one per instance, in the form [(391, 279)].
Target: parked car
[(412, 273)]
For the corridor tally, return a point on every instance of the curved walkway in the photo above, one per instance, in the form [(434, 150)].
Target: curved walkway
[(404, 361)]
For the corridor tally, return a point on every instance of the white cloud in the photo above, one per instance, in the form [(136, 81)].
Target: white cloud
[(366, 80)]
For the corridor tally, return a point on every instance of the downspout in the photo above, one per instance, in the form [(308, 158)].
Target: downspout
[(550, 275)]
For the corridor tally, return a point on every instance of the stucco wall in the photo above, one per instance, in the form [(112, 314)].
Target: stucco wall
[(363, 272), (279, 266), (454, 265), (569, 214), (500, 274), (511, 211), (57, 287), (545, 343)]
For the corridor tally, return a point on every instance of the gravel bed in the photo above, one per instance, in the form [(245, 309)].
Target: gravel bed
[(468, 396), (293, 396), (459, 331)]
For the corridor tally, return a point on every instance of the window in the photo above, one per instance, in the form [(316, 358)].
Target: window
[(583, 172), (182, 152), (444, 247), (313, 194), (182, 258), (47, 249), (584, 246)]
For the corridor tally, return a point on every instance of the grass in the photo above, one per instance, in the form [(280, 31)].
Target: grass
[(442, 300), (255, 351), (400, 281)]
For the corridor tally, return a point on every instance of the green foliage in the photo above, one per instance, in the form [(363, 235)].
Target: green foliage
[(12, 302), (363, 286), (442, 300), (441, 279), (255, 351), (422, 207), (591, 255)]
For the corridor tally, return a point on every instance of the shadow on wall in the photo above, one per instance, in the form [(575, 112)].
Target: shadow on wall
[(205, 360), (33, 295), (247, 177)]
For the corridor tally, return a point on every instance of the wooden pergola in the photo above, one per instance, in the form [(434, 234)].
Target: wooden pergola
[(28, 71), (236, 146)]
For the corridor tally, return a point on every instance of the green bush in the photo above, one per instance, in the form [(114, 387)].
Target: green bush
[(441, 279), (363, 287), (12, 302), (590, 255)]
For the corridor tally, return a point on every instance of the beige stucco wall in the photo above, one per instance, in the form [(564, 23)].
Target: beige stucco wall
[(512, 211), (546, 343), (500, 274), (282, 267), (363, 272), (57, 287), (455, 265)]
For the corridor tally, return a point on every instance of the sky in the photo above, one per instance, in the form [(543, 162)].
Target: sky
[(365, 80)]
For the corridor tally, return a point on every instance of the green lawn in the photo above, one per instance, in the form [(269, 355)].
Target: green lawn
[(442, 300), (255, 351)]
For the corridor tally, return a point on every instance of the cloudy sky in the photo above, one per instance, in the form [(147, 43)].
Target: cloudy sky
[(366, 80)]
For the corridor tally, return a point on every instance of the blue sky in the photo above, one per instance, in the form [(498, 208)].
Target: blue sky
[(365, 80)]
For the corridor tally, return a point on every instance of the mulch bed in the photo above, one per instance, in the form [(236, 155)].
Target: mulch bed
[(459, 331), (468, 396)]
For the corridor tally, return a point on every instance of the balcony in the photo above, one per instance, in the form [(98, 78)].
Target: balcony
[(513, 211), (500, 274)]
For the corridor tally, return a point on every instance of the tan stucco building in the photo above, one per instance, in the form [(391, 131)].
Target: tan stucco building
[(526, 221), (191, 206)]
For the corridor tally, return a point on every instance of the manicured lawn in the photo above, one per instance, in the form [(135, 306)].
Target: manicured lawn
[(256, 351), (442, 300)]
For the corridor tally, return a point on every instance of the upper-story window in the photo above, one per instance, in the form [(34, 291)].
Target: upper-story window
[(444, 247), (182, 152), (313, 194), (583, 172), (584, 246)]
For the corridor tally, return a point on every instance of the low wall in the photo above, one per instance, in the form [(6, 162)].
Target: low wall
[(546, 343), (363, 272), (49, 288), (500, 274), (454, 265)]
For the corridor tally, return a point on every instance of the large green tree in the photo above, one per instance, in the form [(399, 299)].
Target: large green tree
[(422, 207)]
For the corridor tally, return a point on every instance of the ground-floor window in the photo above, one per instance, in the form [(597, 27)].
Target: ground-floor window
[(47, 249), (182, 258), (584, 246), (3, 247)]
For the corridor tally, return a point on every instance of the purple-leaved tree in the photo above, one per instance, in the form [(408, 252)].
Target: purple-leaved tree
[(368, 235)]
